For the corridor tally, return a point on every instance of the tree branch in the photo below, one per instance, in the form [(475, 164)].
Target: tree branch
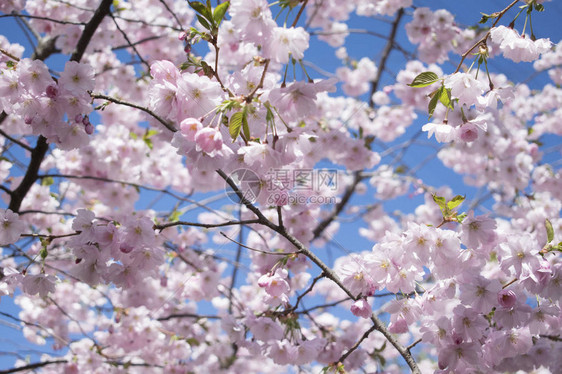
[(43, 50), (102, 11), (146, 110), (33, 366)]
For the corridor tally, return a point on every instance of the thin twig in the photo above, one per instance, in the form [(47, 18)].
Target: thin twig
[(485, 37), (205, 225), (357, 344), (125, 103)]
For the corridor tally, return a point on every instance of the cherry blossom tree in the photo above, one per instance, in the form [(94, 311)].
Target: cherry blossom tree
[(176, 192)]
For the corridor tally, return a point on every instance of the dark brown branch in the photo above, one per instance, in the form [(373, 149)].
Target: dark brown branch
[(13, 140), (385, 54), (37, 155), (34, 366), (186, 315), (43, 50), (102, 11)]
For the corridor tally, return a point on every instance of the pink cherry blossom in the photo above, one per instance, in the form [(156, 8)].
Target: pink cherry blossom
[(516, 47), (361, 308), (11, 227), (41, 284)]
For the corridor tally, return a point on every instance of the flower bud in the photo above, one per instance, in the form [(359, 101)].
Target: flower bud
[(507, 298)]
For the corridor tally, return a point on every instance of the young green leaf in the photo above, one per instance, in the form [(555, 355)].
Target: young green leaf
[(435, 95), (235, 125), (198, 7), (424, 79), (445, 97), (455, 202), (203, 22), (245, 127), (220, 11), (549, 230), (440, 200), (150, 133)]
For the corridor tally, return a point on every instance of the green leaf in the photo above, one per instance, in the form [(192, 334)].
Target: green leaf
[(150, 133), (424, 79), (200, 8), (461, 217), (220, 11), (148, 143), (445, 97), (245, 127), (203, 22), (228, 105), (539, 7), (44, 253), (549, 230), (440, 200), (235, 125), (455, 202), (435, 95)]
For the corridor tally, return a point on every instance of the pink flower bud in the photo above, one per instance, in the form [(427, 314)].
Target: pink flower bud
[(182, 35), (126, 248), (78, 118), (507, 298), (52, 91), (89, 129)]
